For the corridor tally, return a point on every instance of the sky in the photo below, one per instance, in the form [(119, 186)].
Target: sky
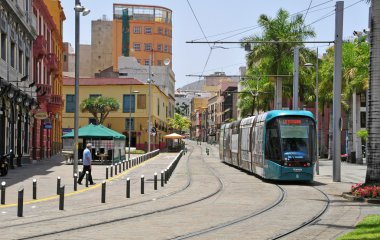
[(222, 20)]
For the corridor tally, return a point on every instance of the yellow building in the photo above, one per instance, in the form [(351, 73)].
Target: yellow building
[(56, 52), (122, 89)]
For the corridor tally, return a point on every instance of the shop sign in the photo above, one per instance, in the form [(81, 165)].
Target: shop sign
[(41, 115)]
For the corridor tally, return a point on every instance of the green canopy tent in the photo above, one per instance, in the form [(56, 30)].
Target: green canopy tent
[(105, 141)]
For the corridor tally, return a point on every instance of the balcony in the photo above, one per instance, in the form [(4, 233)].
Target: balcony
[(55, 104), (43, 92), (39, 47), (52, 62)]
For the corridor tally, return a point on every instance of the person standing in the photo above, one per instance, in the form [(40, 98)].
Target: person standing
[(87, 159)]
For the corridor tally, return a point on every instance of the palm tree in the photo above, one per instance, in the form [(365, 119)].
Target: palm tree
[(276, 58), (99, 107), (373, 107)]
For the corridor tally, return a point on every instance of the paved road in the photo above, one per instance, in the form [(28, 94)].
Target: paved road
[(204, 199)]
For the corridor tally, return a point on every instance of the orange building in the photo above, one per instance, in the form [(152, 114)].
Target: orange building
[(139, 31)]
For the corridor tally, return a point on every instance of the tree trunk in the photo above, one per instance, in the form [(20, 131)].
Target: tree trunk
[(373, 123), (330, 134), (322, 143)]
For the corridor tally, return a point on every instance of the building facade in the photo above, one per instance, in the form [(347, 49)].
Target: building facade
[(17, 92), (47, 75), (143, 32), (133, 108)]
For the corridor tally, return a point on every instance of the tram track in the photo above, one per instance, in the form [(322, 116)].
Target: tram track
[(115, 220), (309, 221), (279, 200)]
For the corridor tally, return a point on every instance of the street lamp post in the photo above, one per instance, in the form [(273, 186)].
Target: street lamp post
[(78, 9), (130, 120), (149, 99)]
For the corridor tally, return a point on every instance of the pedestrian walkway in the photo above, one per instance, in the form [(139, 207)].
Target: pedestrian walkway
[(47, 171)]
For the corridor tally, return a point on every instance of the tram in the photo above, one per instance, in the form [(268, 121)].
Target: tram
[(277, 145)]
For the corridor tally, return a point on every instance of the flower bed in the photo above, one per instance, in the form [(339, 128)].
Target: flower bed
[(363, 193)]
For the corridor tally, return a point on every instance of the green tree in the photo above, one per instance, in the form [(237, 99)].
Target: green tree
[(355, 57), (276, 58), (179, 122), (99, 107)]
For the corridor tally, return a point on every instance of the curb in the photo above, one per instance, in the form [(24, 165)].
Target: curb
[(350, 197)]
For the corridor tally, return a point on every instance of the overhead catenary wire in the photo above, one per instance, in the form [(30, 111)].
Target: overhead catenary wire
[(249, 28)]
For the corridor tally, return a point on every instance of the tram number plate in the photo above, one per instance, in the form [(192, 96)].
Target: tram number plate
[(297, 169)]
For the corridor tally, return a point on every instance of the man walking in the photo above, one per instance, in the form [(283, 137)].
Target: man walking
[(87, 159)]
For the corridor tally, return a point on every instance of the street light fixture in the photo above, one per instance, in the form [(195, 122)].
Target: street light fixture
[(78, 9), (130, 121), (316, 107)]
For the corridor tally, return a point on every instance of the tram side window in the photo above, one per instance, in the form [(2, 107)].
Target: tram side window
[(272, 146)]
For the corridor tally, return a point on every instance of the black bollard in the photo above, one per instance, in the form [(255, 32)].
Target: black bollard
[(104, 192), (123, 165), (115, 169), (107, 172), (34, 188), (58, 184), (87, 178), (119, 167), (20, 202), (162, 178), (62, 198), (155, 181), (75, 181), (3, 192), (128, 188), (111, 170), (166, 176), (142, 184)]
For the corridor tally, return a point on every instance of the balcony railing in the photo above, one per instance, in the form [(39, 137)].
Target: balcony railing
[(52, 62), (39, 47)]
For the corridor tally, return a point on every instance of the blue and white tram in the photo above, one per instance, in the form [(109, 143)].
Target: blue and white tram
[(279, 145)]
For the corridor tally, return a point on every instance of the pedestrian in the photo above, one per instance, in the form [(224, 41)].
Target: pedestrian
[(87, 159)]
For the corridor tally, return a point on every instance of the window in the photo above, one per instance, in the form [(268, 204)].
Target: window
[(166, 32), (95, 95), (129, 124), (363, 119), (146, 62), (166, 48), (158, 106), (20, 58), (128, 103), (159, 47), (137, 46), (159, 62), (148, 30), (137, 30), (13, 57), (65, 58), (70, 103), (141, 101), (159, 30), (148, 47), (3, 46)]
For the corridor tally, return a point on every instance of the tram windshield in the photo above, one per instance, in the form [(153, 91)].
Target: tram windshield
[(296, 139)]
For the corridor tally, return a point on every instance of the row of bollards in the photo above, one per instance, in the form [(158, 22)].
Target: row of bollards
[(60, 191), (126, 164)]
